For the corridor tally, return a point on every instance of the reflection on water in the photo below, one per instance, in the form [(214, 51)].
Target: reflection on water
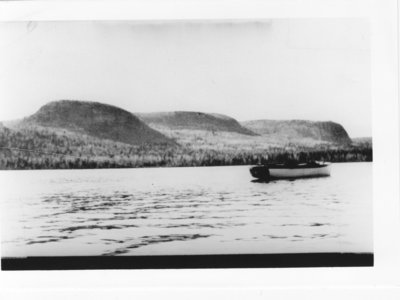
[(208, 210)]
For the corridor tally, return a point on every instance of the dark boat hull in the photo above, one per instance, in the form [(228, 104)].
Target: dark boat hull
[(283, 172), (260, 172)]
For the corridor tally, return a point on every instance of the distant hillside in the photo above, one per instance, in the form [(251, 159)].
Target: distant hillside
[(96, 119), (362, 141), (37, 147), (299, 129), (74, 134), (183, 120)]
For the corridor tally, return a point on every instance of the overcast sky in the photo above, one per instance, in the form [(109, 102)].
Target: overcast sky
[(314, 69)]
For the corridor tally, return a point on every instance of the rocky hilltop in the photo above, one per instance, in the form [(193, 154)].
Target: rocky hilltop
[(96, 119), (299, 129), (187, 120)]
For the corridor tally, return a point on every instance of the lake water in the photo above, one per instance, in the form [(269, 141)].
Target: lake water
[(162, 211)]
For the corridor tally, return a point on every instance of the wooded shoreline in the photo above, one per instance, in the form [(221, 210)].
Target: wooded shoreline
[(56, 152), (37, 147)]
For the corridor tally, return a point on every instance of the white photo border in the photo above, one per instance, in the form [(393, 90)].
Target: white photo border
[(383, 16)]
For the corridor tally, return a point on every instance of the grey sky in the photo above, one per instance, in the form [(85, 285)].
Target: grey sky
[(315, 69)]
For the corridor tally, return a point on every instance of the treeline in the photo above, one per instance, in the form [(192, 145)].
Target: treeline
[(41, 148)]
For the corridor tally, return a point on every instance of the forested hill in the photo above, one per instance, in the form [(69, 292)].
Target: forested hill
[(95, 119), (188, 120), (38, 147), (75, 134), (300, 129), (362, 141)]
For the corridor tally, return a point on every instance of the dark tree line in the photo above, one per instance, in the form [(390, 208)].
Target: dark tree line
[(34, 148)]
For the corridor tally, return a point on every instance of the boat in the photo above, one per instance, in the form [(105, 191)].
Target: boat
[(290, 170)]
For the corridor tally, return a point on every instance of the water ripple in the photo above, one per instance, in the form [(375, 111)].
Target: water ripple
[(114, 212)]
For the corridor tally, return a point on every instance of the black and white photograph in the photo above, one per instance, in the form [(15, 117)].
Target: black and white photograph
[(186, 143)]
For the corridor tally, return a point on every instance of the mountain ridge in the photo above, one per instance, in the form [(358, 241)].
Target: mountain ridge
[(70, 134), (193, 120), (95, 119), (110, 122), (327, 131)]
